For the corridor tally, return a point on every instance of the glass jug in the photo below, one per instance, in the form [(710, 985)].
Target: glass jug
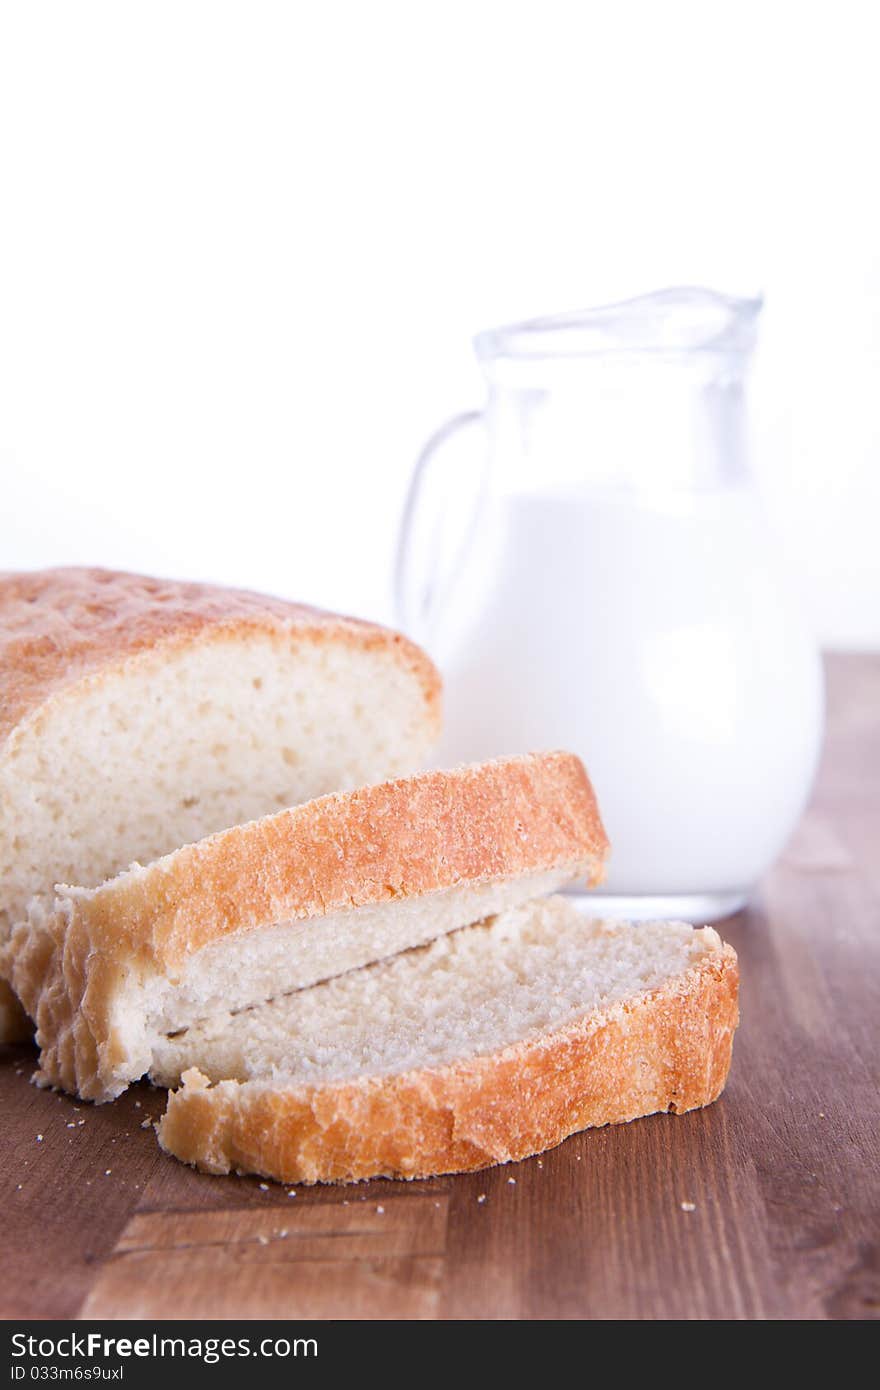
[(605, 583)]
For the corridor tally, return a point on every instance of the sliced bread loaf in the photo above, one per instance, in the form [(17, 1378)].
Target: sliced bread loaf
[(490, 1044), (283, 902), (141, 714)]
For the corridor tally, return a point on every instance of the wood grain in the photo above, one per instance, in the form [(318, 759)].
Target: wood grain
[(376, 1259), (782, 1172)]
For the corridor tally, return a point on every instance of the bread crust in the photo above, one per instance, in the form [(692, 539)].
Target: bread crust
[(60, 627), (398, 839), (667, 1050)]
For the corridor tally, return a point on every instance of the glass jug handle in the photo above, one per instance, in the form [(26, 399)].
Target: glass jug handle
[(417, 596)]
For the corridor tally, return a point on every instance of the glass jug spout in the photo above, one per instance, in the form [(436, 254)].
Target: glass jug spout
[(644, 395), (667, 324)]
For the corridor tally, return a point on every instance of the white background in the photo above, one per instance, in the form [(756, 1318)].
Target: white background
[(243, 248)]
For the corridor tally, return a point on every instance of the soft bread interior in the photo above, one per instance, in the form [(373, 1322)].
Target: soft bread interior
[(524, 973), (144, 1005), (183, 743), (258, 965)]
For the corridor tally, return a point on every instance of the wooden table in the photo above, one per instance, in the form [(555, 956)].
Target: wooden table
[(782, 1173)]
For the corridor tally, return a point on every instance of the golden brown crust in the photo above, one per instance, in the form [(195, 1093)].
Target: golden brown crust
[(665, 1050), (59, 627), (401, 838), (398, 839)]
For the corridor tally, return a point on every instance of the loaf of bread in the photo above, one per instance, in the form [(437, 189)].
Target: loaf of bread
[(283, 902), (138, 715), (492, 1043), (359, 978)]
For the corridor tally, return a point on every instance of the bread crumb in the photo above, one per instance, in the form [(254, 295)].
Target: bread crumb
[(264, 1187), (381, 1211), (137, 1105), (39, 1138), (481, 1198), (688, 1206), (291, 1193), (71, 1124), (821, 1114), (283, 1232), (264, 1240), (146, 1124), (107, 1172)]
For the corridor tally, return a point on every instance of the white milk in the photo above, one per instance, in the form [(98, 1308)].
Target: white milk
[(656, 640)]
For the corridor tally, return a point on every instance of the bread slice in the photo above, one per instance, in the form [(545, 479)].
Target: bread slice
[(490, 1044), (286, 901), (137, 715)]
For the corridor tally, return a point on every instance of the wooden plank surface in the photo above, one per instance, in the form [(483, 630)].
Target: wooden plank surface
[(782, 1173)]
